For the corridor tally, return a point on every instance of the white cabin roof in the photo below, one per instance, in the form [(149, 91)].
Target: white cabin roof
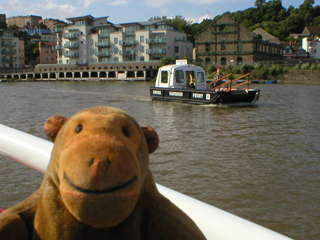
[(180, 76)]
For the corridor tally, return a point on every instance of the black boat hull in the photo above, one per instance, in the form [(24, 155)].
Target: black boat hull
[(204, 96)]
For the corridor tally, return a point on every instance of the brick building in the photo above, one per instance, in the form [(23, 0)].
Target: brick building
[(23, 21), (52, 23), (47, 55), (225, 42)]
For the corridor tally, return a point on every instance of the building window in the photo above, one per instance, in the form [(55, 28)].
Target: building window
[(142, 59), (207, 47), (223, 46), (222, 27), (142, 49), (176, 49), (141, 39), (115, 40), (223, 61)]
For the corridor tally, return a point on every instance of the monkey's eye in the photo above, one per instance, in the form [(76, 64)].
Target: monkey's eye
[(126, 132), (79, 128)]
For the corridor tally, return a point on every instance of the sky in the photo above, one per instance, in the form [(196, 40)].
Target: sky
[(125, 11)]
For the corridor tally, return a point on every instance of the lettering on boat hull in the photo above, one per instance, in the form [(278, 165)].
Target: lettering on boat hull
[(156, 92), (197, 95), (175, 94)]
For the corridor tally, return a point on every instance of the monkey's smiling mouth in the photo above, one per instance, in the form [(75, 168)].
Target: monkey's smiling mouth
[(103, 191)]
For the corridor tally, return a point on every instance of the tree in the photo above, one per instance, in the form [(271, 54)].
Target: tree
[(307, 12), (156, 18), (259, 3), (31, 52), (13, 27)]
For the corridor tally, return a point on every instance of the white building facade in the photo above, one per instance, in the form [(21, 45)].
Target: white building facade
[(89, 40), (312, 47), (11, 50)]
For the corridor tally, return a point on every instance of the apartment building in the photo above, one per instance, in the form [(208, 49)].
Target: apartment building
[(12, 53), (89, 40), (227, 42)]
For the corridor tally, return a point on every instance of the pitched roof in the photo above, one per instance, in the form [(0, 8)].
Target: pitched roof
[(313, 29)]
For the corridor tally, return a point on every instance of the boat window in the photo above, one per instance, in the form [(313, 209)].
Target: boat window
[(200, 77), (164, 76), (179, 76), (190, 78)]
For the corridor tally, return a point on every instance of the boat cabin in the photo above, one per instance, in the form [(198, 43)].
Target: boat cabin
[(182, 76)]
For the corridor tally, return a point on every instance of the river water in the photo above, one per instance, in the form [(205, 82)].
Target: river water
[(259, 162)]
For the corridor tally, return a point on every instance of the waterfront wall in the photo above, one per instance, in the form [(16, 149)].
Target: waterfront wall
[(302, 76), (93, 72)]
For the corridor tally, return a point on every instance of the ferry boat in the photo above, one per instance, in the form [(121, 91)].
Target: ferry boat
[(183, 82)]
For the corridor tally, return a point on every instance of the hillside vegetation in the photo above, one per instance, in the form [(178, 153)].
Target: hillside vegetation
[(269, 15)]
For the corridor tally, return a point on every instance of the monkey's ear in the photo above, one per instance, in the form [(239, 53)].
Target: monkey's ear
[(53, 125), (151, 137)]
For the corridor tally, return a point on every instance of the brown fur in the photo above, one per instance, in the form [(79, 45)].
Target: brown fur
[(98, 185)]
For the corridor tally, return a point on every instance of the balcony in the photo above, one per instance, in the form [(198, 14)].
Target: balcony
[(156, 41), (104, 34), (72, 54), (130, 33), (128, 52), (8, 44), (103, 54), (102, 44), (57, 30), (128, 43), (72, 36), (8, 52), (57, 48), (71, 45), (7, 60), (156, 51)]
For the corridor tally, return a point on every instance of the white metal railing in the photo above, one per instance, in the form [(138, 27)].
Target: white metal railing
[(215, 223)]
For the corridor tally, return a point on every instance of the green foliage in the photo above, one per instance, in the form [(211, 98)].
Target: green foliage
[(13, 27), (228, 68), (211, 69), (257, 71), (313, 66), (246, 68), (297, 66), (236, 69), (31, 52), (257, 66), (275, 70), (168, 60), (305, 66)]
